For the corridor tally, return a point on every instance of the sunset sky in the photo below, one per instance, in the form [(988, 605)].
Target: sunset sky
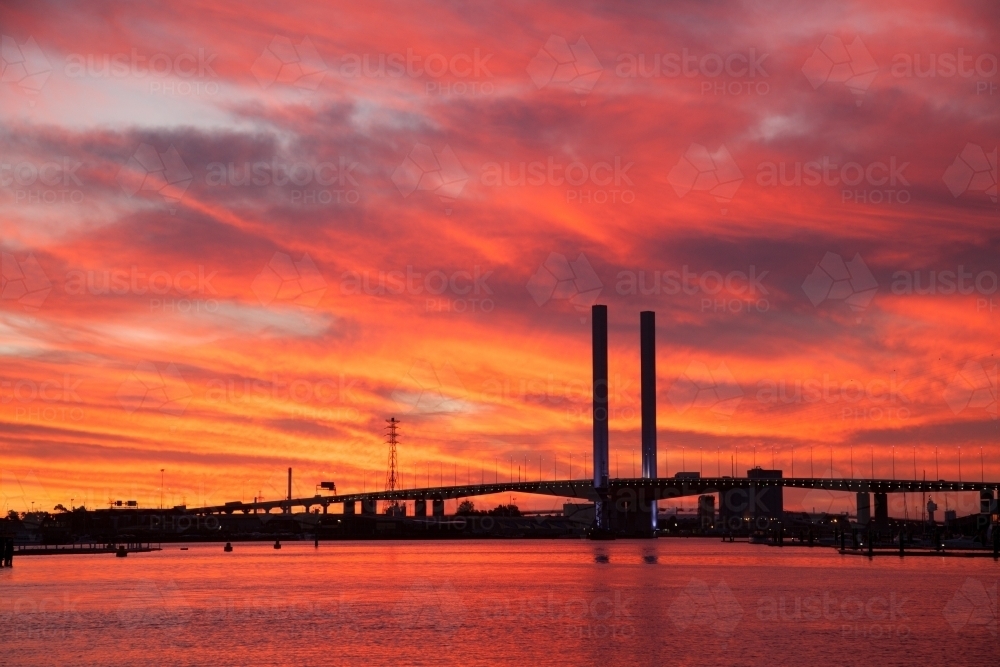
[(239, 239)]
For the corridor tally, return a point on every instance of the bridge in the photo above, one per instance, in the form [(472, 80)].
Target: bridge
[(632, 502), (637, 490)]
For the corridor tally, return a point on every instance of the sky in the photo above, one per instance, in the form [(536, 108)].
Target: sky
[(237, 238)]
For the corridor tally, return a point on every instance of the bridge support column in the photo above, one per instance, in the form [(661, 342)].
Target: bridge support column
[(864, 508), (987, 503), (734, 505), (599, 331), (987, 507), (349, 507), (647, 353), (881, 512), (420, 507), (368, 506), (438, 506)]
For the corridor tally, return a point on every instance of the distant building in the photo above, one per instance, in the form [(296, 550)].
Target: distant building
[(579, 512)]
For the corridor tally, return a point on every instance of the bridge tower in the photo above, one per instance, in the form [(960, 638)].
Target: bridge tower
[(599, 330), (647, 353)]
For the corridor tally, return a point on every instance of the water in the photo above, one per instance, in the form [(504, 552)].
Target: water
[(668, 601)]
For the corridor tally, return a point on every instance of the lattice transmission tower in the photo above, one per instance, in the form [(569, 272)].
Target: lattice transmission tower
[(392, 474)]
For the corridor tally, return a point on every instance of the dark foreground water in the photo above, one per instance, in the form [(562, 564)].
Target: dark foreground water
[(669, 601)]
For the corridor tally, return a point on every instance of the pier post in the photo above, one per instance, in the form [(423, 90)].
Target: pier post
[(349, 507), (420, 507)]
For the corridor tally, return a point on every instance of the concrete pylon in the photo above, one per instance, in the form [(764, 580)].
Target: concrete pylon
[(881, 511), (599, 329), (864, 508), (647, 353)]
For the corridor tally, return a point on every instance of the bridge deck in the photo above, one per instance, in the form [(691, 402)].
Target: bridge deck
[(657, 488)]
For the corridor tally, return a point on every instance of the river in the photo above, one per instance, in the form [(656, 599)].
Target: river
[(656, 602)]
